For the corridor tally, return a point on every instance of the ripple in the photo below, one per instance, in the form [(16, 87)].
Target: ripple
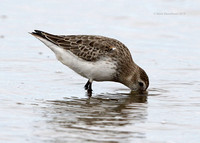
[(97, 116)]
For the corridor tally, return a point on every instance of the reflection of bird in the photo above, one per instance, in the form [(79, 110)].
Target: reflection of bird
[(97, 58)]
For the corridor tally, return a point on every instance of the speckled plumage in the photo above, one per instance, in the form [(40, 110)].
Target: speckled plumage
[(93, 49)]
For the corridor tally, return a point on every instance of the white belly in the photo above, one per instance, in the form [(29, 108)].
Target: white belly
[(101, 70)]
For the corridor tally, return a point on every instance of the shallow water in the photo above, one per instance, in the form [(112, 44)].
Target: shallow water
[(43, 101)]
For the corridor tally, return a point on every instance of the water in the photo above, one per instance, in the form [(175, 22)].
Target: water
[(44, 101)]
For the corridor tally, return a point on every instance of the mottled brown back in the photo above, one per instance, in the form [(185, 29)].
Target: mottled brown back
[(88, 47)]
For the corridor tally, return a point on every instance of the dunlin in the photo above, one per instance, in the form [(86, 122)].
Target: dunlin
[(96, 58)]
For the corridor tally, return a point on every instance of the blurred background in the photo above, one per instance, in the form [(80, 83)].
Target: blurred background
[(42, 100)]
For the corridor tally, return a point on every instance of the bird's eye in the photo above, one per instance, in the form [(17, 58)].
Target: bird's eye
[(141, 84)]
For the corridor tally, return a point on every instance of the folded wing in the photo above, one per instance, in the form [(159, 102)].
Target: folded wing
[(87, 47)]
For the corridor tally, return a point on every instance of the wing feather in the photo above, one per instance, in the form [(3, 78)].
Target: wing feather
[(87, 47)]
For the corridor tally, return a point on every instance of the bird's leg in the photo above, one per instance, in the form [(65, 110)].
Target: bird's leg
[(89, 90), (88, 87)]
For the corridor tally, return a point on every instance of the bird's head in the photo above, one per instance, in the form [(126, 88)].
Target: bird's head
[(137, 80)]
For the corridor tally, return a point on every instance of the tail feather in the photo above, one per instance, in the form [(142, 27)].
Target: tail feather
[(38, 33), (50, 37)]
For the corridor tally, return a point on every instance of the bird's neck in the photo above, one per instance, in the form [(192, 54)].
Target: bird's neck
[(128, 74)]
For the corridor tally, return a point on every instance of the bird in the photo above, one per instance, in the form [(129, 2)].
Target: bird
[(97, 58)]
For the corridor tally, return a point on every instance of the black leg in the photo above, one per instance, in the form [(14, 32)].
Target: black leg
[(86, 85), (89, 87), (89, 90)]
